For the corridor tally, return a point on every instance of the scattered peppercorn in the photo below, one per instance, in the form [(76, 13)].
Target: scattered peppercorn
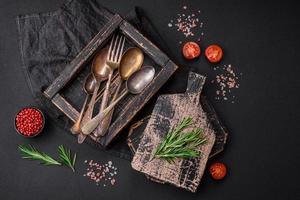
[(29, 121)]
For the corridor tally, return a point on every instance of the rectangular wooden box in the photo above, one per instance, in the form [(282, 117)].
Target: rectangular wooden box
[(163, 65)]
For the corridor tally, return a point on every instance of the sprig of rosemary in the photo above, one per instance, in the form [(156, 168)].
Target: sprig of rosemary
[(179, 144), (29, 152), (66, 158)]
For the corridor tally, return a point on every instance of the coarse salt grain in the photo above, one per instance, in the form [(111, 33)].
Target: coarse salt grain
[(101, 173), (188, 23), (226, 81)]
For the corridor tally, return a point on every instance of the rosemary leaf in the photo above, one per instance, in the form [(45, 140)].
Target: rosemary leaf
[(179, 144), (66, 158), (29, 152)]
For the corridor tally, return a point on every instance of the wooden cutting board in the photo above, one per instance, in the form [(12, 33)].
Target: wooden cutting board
[(136, 130), (168, 112)]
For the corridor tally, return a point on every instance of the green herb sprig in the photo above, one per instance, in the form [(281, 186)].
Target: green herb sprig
[(30, 152), (179, 144), (66, 158)]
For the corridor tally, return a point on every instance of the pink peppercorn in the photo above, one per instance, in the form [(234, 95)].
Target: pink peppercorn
[(29, 121)]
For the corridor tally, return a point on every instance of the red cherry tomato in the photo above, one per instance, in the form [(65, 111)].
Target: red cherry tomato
[(218, 171), (214, 53), (191, 50)]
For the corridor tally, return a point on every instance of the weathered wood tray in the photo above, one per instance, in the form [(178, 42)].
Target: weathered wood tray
[(136, 130), (128, 107)]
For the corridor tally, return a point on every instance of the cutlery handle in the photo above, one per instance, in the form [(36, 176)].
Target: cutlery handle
[(89, 112), (93, 123), (80, 138), (76, 127), (104, 125), (100, 93), (106, 92)]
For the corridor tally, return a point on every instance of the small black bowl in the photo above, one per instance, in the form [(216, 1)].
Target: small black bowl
[(37, 133)]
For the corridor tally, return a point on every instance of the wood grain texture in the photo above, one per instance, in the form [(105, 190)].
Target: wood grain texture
[(83, 57), (136, 130), (135, 133), (63, 105), (148, 47), (168, 112)]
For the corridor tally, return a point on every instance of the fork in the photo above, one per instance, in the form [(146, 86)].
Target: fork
[(113, 60)]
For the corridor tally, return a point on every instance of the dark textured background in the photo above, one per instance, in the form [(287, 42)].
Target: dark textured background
[(260, 38)]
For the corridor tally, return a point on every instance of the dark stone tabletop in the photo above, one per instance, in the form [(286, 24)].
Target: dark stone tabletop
[(260, 39)]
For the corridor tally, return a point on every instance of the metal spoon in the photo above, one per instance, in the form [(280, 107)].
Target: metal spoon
[(100, 71), (131, 61), (136, 83), (88, 87)]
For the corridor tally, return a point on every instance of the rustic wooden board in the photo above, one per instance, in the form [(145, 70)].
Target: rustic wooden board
[(136, 130), (135, 133), (168, 112), (133, 103)]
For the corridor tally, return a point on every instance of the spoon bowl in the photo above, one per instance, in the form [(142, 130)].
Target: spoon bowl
[(140, 79), (89, 84), (131, 61), (100, 69)]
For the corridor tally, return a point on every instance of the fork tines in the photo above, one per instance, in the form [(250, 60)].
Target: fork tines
[(116, 48)]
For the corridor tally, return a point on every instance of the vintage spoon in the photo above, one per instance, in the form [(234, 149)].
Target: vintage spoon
[(131, 61), (100, 71), (88, 87), (136, 83)]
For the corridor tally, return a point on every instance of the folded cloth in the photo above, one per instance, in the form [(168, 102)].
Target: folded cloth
[(48, 41)]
